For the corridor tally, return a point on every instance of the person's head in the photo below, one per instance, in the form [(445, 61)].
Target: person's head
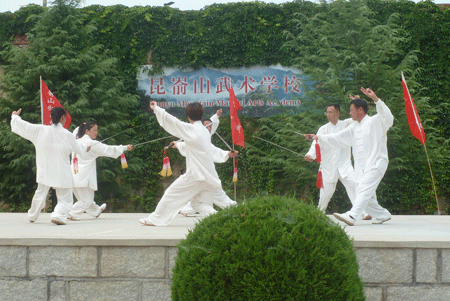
[(333, 112), (89, 128), (358, 109), (58, 114), (194, 111), (207, 123)]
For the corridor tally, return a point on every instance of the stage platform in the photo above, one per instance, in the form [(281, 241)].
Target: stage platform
[(124, 229), (114, 257)]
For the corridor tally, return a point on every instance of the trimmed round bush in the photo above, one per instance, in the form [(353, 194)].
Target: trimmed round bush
[(271, 248)]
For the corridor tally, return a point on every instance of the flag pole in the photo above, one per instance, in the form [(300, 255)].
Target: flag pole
[(417, 130), (40, 96), (234, 183), (432, 179)]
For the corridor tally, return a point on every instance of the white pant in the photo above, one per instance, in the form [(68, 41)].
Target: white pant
[(177, 195), (326, 193), (65, 201), (85, 202), (220, 199), (366, 198)]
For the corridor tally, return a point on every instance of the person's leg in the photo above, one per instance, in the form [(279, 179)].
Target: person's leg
[(38, 202), (174, 198), (85, 198), (62, 209), (366, 195), (187, 210), (203, 204), (350, 186), (95, 210), (221, 199), (325, 195)]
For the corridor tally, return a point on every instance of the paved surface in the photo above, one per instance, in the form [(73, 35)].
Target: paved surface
[(124, 229)]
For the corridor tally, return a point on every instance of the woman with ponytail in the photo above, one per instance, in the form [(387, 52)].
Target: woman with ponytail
[(85, 169)]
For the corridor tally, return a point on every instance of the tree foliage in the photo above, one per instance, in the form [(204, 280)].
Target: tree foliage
[(364, 43), (82, 76)]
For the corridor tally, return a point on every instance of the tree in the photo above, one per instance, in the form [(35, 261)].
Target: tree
[(343, 48), (83, 76)]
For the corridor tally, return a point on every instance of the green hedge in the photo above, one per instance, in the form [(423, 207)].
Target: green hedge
[(271, 248)]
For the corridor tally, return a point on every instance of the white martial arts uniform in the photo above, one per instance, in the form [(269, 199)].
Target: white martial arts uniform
[(368, 140), (54, 145), (220, 198), (335, 165), (85, 180), (200, 178)]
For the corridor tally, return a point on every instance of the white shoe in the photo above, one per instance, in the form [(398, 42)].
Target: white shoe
[(144, 221), (102, 207), (58, 221), (379, 221), (346, 218)]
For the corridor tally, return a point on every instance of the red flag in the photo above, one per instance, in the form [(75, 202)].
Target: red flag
[(411, 113), (237, 132), (48, 102)]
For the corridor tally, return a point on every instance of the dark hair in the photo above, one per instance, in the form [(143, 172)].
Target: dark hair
[(206, 119), (56, 114), (86, 126), (194, 111), (336, 106), (360, 103)]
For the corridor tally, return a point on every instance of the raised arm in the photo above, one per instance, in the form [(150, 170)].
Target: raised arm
[(173, 125), (383, 112), (23, 128)]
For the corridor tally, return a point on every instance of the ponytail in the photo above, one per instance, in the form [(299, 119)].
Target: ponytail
[(85, 126)]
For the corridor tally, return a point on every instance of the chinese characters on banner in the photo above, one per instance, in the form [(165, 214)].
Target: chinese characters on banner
[(261, 91)]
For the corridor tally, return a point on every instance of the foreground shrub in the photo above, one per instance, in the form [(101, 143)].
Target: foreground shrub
[(271, 248)]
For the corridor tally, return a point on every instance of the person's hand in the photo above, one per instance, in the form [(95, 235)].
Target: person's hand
[(308, 158), (369, 93), (233, 153), (17, 112), (153, 105), (174, 144), (311, 137), (219, 112), (353, 97), (130, 147)]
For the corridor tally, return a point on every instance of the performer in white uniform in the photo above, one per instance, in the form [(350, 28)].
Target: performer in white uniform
[(85, 180), (368, 140), (220, 198), (335, 164), (200, 177), (54, 145)]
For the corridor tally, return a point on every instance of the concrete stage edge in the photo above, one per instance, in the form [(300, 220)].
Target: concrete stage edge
[(113, 257)]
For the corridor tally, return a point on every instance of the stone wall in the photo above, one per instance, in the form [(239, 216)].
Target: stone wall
[(85, 273), (143, 273)]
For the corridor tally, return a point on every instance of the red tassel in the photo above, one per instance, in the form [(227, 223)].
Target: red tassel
[(123, 161), (75, 164), (166, 171), (318, 155), (319, 181), (235, 173)]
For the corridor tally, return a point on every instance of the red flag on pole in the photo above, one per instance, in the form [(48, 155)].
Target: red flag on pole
[(411, 113), (48, 102), (237, 132)]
